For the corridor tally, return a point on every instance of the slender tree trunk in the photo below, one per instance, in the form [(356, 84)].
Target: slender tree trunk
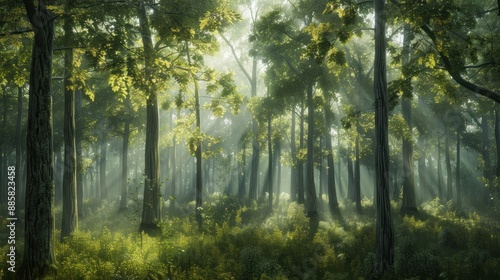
[(457, 174), (339, 169), (18, 179), (311, 189), (350, 177), (384, 254), (242, 171), (254, 172), (294, 173), (151, 212), (70, 208), (497, 141), (409, 204), (102, 170), (487, 171), (449, 190), (173, 180), (79, 163), (357, 173), (300, 164), (124, 163), (332, 193), (38, 257), (439, 171), (278, 164), (270, 151)]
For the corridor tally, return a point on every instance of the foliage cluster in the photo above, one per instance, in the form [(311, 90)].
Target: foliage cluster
[(242, 240)]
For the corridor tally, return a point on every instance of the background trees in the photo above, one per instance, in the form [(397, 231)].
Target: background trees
[(292, 80)]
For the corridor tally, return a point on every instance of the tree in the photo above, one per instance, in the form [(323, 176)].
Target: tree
[(70, 209), (384, 254), (38, 250)]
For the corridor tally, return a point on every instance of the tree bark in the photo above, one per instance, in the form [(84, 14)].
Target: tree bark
[(294, 173), (38, 257), (151, 211), (70, 208), (384, 254), (300, 164), (357, 173), (254, 172), (439, 171), (332, 193), (270, 160)]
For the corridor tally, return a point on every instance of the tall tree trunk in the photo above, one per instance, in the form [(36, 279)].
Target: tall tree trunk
[(270, 160), (294, 172), (70, 210), (198, 153), (357, 173), (311, 189), (439, 171), (332, 193), (449, 190), (384, 254), (242, 171), (151, 211), (339, 168), (79, 163), (173, 180), (254, 171), (102, 170), (18, 179), (350, 177), (124, 165), (300, 164), (457, 174), (38, 257), (278, 164), (497, 140), (409, 204)]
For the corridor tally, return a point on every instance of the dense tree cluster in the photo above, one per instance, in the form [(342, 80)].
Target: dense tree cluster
[(164, 103)]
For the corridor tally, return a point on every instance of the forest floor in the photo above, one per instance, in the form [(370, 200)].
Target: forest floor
[(243, 240)]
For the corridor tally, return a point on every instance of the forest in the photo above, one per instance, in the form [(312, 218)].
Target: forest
[(250, 139)]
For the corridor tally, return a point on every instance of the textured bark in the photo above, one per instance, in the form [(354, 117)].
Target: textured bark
[(487, 174), (151, 211), (384, 254), (497, 139), (38, 255), (277, 160), (350, 177), (70, 209), (332, 192)]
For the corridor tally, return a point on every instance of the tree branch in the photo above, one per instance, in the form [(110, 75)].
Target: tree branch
[(236, 58)]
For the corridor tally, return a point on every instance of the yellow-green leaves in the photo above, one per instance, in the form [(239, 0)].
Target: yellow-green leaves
[(218, 18)]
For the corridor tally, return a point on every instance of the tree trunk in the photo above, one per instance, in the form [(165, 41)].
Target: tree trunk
[(332, 193), (449, 190), (457, 174), (294, 172), (277, 161), (38, 257), (270, 164), (70, 209), (384, 254), (18, 179), (497, 141), (350, 177), (439, 171), (124, 163), (254, 172), (357, 173), (79, 163), (102, 170), (300, 165), (339, 169), (151, 211), (409, 204)]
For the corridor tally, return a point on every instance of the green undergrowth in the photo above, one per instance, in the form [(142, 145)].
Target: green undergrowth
[(243, 240)]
